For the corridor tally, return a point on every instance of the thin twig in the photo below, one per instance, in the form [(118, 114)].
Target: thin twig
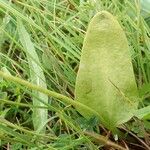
[(104, 140), (141, 141)]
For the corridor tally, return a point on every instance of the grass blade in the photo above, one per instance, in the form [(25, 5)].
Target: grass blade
[(37, 76)]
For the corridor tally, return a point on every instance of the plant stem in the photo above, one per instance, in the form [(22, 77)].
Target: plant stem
[(56, 95)]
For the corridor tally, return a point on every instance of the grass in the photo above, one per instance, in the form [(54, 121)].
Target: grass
[(41, 43)]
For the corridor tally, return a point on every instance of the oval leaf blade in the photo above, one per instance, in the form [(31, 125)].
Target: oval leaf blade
[(105, 80)]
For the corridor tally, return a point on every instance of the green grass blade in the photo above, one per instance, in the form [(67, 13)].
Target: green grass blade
[(143, 113), (36, 75)]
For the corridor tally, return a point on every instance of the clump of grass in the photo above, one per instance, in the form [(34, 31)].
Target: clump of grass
[(42, 40)]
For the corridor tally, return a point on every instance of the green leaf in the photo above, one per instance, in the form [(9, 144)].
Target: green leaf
[(145, 89), (105, 80), (145, 8), (143, 113), (37, 77)]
